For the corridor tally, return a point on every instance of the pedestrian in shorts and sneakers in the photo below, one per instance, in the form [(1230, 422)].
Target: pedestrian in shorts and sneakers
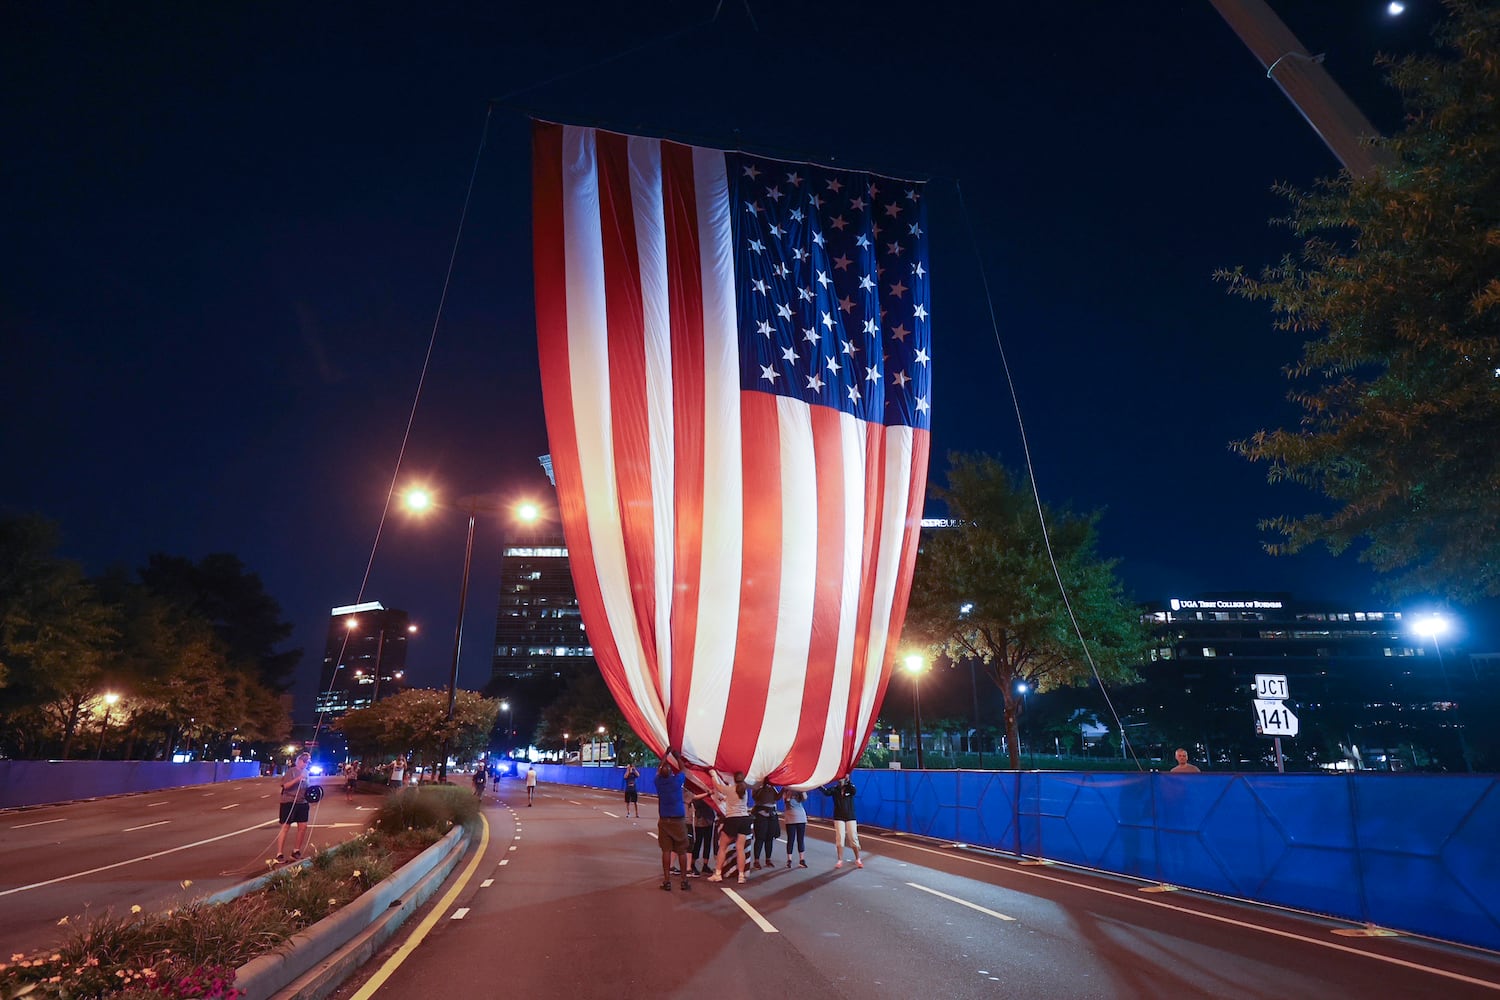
[(671, 823)]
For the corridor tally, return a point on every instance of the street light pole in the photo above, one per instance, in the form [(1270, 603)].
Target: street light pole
[(1021, 689), (109, 703), (915, 664), (1434, 626), (458, 640)]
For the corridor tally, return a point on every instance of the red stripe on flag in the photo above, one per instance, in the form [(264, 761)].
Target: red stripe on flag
[(911, 538), (822, 652), (630, 423), (685, 293), (552, 347), (760, 580)]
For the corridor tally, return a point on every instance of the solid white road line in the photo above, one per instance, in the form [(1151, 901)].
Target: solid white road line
[(144, 857), (961, 902), (40, 822), (1202, 915), (160, 822), (760, 921)]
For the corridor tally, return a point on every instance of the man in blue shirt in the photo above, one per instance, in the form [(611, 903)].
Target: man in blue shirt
[(671, 823)]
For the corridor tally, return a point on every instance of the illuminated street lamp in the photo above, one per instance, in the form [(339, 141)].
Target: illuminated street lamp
[(915, 665), (380, 648), (1021, 690), (421, 500), (109, 703), (1431, 627), (505, 707), (599, 753)]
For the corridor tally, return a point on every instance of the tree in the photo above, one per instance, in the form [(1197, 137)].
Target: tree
[(220, 590), (55, 635), (987, 589), (1398, 284), (582, 709), (416, 722)]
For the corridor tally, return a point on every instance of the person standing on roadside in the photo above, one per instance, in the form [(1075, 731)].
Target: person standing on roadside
[(398, 773), (844, 825), (671, 822), (632, 794), (1183, 767), (736, 825), (703, 833), (766, 823), (294, 785), (796, 825), (530, 785)]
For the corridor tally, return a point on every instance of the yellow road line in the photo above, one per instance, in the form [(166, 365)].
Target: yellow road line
[(428, 923)]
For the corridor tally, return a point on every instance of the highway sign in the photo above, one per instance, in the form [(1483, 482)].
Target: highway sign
[(1270, 686), (1273, 718)]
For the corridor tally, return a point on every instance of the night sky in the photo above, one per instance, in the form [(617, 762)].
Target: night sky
[(227, 227)]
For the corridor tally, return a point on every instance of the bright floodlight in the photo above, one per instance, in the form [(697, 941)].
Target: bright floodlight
[(601, 729), (505, 706), (412, 629), (1395, 8), (528, 512), (915, 663), (351, 623), (418, 499), (111, 698), (1431, 626), (1022, 688)]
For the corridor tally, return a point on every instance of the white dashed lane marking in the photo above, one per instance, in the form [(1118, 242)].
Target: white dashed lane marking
[(40, 822), (460, 913), (486, 883), (160, 822), (961, 902)]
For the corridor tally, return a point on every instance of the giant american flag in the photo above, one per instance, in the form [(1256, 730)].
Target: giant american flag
[(735, 357)]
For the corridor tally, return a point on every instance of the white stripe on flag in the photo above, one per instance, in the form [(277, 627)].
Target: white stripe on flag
[(651, 246), (588, 359), (723, 500)]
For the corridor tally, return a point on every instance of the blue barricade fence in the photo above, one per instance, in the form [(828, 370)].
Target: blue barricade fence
[(38, 782), (1407, 852)]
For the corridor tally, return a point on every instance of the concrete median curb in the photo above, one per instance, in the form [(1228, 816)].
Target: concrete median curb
[(317, 959)]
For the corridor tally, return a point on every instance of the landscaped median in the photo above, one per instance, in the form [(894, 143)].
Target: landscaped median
[(303, 928)]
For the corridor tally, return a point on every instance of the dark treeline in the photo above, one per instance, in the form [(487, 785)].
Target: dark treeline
[(177, 657)]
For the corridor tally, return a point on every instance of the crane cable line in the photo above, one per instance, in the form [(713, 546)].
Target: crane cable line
[(1031, 478)]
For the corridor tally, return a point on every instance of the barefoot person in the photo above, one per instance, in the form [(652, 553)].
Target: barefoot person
[(294, 784)]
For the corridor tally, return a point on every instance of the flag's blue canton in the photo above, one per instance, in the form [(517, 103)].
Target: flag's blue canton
[(832, 286)]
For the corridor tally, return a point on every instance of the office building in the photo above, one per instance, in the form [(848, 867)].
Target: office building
[(1367, 691), (365, 657)]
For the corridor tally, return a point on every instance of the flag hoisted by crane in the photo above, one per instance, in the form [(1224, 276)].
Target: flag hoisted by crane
[(735, 359)]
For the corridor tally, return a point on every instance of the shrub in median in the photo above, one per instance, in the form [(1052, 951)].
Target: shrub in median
[(193, 951)]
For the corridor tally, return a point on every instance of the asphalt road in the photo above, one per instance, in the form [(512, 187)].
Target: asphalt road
[(563, 900), (137, 850)]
